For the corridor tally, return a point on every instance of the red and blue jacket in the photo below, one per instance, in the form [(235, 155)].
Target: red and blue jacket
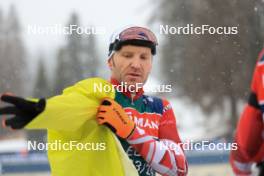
[(155, 144)]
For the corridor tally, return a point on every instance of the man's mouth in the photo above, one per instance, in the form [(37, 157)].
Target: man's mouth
[(134, 74)]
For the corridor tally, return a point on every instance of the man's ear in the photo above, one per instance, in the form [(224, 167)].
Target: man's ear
[(110, 62)]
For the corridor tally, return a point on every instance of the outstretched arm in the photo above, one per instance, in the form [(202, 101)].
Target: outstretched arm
[(67, 112)]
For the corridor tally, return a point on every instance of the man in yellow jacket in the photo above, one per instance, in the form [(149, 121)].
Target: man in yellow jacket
[(144, 125)]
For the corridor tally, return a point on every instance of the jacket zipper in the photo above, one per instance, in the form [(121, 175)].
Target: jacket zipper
[(132, 98)]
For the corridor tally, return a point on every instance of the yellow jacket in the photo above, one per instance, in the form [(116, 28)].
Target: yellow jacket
[(70, 121)]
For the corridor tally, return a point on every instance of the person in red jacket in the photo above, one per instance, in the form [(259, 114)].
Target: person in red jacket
[(250, 130)]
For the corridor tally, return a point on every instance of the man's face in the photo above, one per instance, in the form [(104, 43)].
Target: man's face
[(131, 64)]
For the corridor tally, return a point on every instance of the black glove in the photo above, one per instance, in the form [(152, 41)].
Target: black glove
[(23, 111)]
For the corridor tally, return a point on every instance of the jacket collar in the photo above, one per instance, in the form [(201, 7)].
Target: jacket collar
[(132, 95)]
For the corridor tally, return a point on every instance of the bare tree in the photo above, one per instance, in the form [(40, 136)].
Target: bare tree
[(212, 69)]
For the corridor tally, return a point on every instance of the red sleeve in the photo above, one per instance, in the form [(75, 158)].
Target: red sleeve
[(249, 140), (257, 85), (168, 126), (165, 154)]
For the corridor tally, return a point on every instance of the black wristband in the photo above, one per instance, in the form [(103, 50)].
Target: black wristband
[(253, 101)]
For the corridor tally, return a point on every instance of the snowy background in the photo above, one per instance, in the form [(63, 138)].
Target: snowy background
[(210, 74)]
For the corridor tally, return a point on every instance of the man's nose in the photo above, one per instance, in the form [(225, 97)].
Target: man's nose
[(135, 63)]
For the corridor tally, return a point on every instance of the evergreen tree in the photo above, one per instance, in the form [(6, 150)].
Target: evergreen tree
[(69, 69), (60, 72), (90, 61), (13, 59), (41, 88), (77, 60), (12, 56), (73, 51)]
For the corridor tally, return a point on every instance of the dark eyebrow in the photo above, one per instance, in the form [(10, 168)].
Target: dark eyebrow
[(146, 54), (126, 52)]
